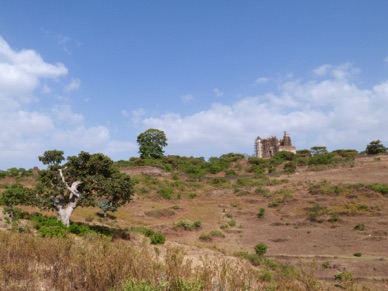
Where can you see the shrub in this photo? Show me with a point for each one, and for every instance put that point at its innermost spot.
(219, 180)
(205, 236)
(232, 223)
(263, 191)
(230, 173)
(274, 204)
(79, 229)
(166, 193)
(334, 217)
(315, 211)
(343, 277)
(261, 249)
(359, 227)
(358, 254)
(192, 195)
(187, 224)
(16, 213)
(261, 212)
(157, 238)
(290, 167)
(217, 233)
(381, 188)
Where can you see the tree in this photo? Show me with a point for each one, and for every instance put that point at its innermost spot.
(53, 157)
(84, 180)
(318, 150)
(151, 143)
(16, 194)
(105, 205)
(375, 147)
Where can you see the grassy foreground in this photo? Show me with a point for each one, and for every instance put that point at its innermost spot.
(30, 262)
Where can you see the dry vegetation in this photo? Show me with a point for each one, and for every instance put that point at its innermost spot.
(325, 226)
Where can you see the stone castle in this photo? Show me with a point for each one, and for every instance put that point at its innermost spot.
(266, 148)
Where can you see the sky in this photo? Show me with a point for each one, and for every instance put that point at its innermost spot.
(213, 75)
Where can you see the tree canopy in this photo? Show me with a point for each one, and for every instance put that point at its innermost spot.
(318, 150)
(375, 147)
(151, 143)
(52, 157)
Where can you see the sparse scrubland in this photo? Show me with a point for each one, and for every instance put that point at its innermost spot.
(292, 222)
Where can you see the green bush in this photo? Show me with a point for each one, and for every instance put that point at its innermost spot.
(261, 249)
(16, 213)
(230, 173)
(290, 167)
(274, 204)
(165, 193)
(261, 212)
(49, 226)
(315, 211)
(219, 180)
(157, 238)
(358, 254)
(79, 229)
(360, 227)
(232, 223)
(343, 277)
(381, 188)
(334, 217)
(205, 236)
(263, 191)
(187, 224)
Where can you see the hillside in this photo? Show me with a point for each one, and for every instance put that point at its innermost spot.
(312, 218)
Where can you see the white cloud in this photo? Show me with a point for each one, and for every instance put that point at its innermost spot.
(26, 133)
(124, 113)
(333, 112)
(46, 89)
(217, 92)
(73, 85)
(187, 98)
(20, 74)
(261, 80)
(63, 114)
(322, 70)
(137, 115)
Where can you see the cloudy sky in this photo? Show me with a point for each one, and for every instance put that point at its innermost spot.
(92, 75)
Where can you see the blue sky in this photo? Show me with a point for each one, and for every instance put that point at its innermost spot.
(92, 75)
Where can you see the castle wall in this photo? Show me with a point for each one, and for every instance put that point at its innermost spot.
(266, 148)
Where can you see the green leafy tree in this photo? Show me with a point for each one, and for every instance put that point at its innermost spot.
(15, 195)
(52, 157)
(151, 143)
(375, 147)
(82, 181)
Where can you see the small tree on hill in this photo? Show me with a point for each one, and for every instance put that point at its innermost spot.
(318, 150)
(375, 147)
(84, 180)
(151, 143)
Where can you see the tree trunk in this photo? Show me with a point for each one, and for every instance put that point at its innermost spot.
(64, 214)
(63, 206)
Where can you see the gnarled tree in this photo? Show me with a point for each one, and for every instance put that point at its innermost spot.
(84, 180)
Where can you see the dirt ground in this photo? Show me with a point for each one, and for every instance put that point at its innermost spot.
(289, 235)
